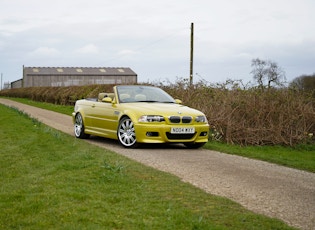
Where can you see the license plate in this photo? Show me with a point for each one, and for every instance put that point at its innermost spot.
(182, 130)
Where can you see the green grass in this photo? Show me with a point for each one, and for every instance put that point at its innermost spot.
(299, 157)
(50, 180)
(64, 109)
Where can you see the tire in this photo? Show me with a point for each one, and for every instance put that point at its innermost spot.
(126, 133)
(194, 145)
(79, 127)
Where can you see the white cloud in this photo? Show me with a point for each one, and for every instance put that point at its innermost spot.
(44, 52)
(126, 52)
(153, 37)
(88, 49)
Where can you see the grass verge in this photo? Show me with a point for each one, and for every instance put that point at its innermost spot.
(64, 109)
(299, 157)
(50, 180)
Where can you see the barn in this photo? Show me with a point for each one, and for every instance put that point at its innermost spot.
(69, 76)
(16, 84)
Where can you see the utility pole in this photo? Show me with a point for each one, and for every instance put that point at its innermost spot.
(1, 82)
(191, 53)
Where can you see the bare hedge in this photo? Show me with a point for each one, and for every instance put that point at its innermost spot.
(240, 116)
(254, 116)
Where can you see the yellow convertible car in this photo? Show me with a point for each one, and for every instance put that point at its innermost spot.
(136, 114)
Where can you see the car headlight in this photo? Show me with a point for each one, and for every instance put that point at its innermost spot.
(201, 118)
(151, 118)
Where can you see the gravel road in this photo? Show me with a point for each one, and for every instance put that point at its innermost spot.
(276, 191)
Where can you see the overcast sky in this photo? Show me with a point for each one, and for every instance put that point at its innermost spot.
(153, 37)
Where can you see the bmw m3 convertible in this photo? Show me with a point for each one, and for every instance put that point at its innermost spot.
(134, 114)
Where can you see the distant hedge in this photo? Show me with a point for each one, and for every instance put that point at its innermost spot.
(241, 116)
(57, 95)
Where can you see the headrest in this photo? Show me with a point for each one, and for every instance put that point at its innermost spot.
(140, 97)
(101, 96)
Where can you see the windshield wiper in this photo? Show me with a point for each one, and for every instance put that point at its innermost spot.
(147, 101)
(156, 101)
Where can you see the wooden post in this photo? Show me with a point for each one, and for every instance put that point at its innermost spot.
(191, 54)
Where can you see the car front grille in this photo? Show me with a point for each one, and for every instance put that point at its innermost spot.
(186, 119)
(178, 119)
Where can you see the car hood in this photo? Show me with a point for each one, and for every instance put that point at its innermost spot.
(163, 109)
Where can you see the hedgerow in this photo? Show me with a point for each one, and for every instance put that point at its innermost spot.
(237, 115)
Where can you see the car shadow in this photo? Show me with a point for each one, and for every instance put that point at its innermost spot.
(115, 143)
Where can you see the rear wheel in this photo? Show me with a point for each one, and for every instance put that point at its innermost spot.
(126, 133)
(79, 127)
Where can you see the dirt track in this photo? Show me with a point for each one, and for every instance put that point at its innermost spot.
(265, 188)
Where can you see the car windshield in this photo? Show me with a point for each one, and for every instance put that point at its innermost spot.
(139, 93)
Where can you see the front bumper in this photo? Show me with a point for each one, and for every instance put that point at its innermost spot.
(161, 133)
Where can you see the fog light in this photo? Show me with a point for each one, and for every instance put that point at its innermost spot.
(152, 134)
(203, 134)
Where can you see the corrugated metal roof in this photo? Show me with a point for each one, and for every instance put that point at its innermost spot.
(103, 71)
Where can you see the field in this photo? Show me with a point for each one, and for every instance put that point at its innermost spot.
(50, 180)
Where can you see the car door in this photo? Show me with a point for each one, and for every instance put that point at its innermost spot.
(105, 118)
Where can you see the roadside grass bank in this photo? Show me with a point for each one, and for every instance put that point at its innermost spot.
(52, 180)
(64, 109)
(299, 157)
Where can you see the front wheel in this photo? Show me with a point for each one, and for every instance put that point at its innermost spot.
(126, 133)
(79, 127)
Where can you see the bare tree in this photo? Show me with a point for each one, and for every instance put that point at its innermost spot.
(266, 73)
(275, 74)
(259, 69)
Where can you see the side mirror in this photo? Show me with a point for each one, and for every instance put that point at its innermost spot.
(177, 101)
(107, 100)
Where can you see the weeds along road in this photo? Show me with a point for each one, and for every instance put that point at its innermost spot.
(265, 188)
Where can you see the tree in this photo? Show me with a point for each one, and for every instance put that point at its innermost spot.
(258, 71)
(266, 73)
(304, 82)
